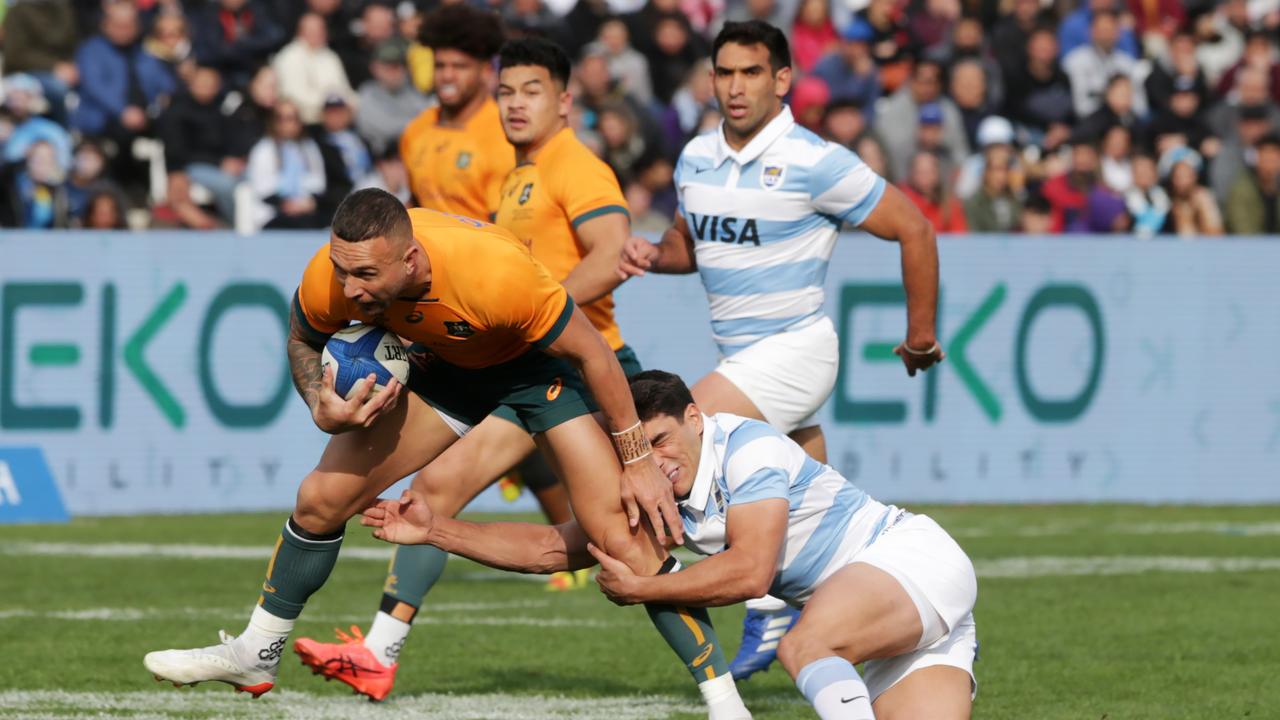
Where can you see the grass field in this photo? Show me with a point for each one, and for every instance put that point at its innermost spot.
(1083, 612)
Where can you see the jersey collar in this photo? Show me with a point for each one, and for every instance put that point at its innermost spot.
(697, 500)
(776, 128)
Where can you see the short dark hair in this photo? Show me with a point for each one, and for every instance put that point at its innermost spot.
(657, 392)
(1271, 139)
(370, 213)
(464, 28)
(755, 32)
(536, 52)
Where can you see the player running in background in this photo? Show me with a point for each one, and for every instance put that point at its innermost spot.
(761, 202)
(455, 153)
(878, 584)
(565, 204)
(502, 331)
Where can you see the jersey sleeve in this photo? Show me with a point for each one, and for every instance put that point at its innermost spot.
(587, 189)
(319, 304)
(843, 186)
(523, 297)
(756, 466)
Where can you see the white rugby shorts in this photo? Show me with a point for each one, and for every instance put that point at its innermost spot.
(787, 376)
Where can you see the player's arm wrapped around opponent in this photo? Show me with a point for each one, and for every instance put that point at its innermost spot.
(644, 487)
(743, 571)
(331, 412)
(518, 547)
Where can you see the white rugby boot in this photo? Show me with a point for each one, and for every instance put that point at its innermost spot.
(219, 663)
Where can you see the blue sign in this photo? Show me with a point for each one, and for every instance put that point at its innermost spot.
(27, 492)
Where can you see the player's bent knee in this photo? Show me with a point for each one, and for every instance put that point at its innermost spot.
(637, 549)
(317, 511)
(801, 646)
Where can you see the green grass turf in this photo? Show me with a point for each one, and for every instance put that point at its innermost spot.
(1154, 645)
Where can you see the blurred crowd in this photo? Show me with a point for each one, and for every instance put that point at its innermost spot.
(1144, 117)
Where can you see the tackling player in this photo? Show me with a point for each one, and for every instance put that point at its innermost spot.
(877, 584)
(761, 202)
(455, 153)
(502, 331)
(565, 204)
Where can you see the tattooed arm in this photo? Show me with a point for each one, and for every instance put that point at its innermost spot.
(304, 347)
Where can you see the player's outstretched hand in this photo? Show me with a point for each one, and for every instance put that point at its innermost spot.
(646, 490)
(615, 579)
(335, 414)
(919, 358)
(638, 255)
(407, 521)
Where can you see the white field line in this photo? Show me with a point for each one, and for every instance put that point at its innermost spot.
(1027, 567)
(1194, 527)
(133, 614)
(292, 704)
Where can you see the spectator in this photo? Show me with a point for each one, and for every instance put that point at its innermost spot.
(170, 43)
(309, 71)
(1253, 207)
(1155, 22)
(1250, 91)
(1116, 165)
(1105, 211)
(673, 52)
(1179, 62)
(969, 92)
(121, 87)
(623, 143)
(1220, 38)
(993, 132)
(844, 122)
(24, 98)
(103, 211)
(1076, 30)
(388, 102)
(88, 178)
(969, 44)
(930, 26)
(1091, 66)
(929, 138)
(995, 208)
(1068, 192)
(809, 99)
(849, 70)
(927, 191)
(1185, 119)
(692, 100)
(36, 196)
(40, 40)
(235, 37)
(627, 66)
(1037, 216)
(1146, 201)
(890, 42)
(286, 173)
(1258, 53)
(812, 34)
(200, 147)
(388, 174)
(1038, 96)
(1116, 110)
(1009, 38)
(898, 118)
(871, 149)
(377, 25)
(251, 117)
(1192, 212)
(335, 131)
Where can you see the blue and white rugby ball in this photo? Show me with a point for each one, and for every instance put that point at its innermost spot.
(356, 351)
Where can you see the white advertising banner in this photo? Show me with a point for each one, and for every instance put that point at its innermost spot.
(146, 373)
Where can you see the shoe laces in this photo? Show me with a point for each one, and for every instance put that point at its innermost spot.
(355, 638)
(225, 637)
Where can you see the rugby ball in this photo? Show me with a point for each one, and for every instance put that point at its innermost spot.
(356, 351)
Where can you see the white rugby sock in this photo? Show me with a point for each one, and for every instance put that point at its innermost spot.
(768, 603)
(723, 701)
(386, 637)
(262, 642)
(835, 690)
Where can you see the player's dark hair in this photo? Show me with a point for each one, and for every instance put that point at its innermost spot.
(370, 213)
(536, 52)
(755, 32)
(461, 27)
(657, 392)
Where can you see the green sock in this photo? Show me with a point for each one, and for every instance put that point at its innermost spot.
(300, 564)
(414, 569)
(689, 632)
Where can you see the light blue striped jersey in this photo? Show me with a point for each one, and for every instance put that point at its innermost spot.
(829, 518)
(764, 222)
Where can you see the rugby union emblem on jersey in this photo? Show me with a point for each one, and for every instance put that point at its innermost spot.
(464, 160)
(459, 329)
(525, 193)
(771, 176)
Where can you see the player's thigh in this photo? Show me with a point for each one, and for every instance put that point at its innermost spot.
(860, 612)
(359, 464)
(812, 441)
(472, 464)
(937, 692)
(715, 393)
(580, 452)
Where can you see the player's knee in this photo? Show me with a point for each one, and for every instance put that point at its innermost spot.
(316, 512)
(801, 646)
(637, 550)
(442, 497)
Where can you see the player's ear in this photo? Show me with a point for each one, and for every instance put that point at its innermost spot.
(693, 415)
(782, 80)
(566, 103)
